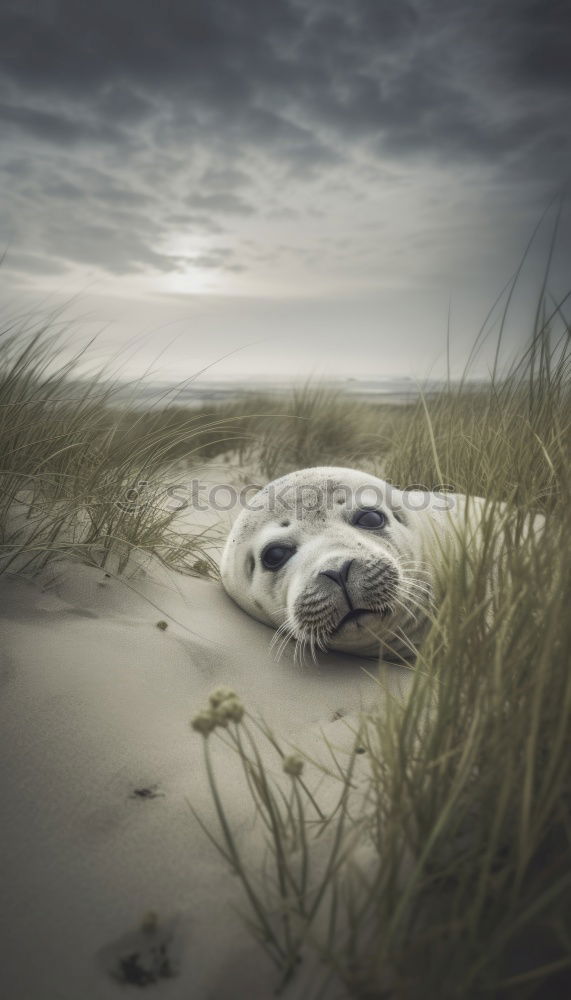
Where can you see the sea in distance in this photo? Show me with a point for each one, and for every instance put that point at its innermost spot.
(196, 392)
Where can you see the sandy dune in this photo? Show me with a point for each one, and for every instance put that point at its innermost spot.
(105, 872)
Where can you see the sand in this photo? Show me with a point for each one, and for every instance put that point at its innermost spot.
(107, 878)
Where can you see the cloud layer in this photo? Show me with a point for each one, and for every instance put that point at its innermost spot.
(258, 142)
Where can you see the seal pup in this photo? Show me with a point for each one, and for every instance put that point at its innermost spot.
(338, 559)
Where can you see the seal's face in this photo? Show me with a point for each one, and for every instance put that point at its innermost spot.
(329, 557)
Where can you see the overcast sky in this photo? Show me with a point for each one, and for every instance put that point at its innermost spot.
(305, 182)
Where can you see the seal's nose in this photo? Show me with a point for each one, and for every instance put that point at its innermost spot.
(339, 576)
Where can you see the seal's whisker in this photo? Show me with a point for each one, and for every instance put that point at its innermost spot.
(421, 566)
(296, 649)
(282, 646)
(419, 586)
(281, 638)
(419, 599)
(424, 600)
(415, 604)
(312, 647)
(407, 610)
(413, 579)
(284, 643)
(285, 627)
(417, 568)
(301, 643)
(322, 641)
(411, 572)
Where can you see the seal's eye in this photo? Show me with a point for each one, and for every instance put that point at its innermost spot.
(276, 556)
(369, 519)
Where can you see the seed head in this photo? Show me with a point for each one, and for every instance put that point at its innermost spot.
(219, 695)
(230, 710)
(204, 722)
(293, 765)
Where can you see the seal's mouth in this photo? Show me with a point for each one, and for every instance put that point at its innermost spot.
(352, 616)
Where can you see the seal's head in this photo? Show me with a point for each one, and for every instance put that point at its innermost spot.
(331, 558)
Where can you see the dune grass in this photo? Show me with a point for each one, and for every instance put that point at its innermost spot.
(82, 477)
(313, 425)
(463, 807)
(508, 440)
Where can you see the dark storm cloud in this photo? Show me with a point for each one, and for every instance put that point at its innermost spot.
(143, 87)
(50, 127)
(368, 65)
